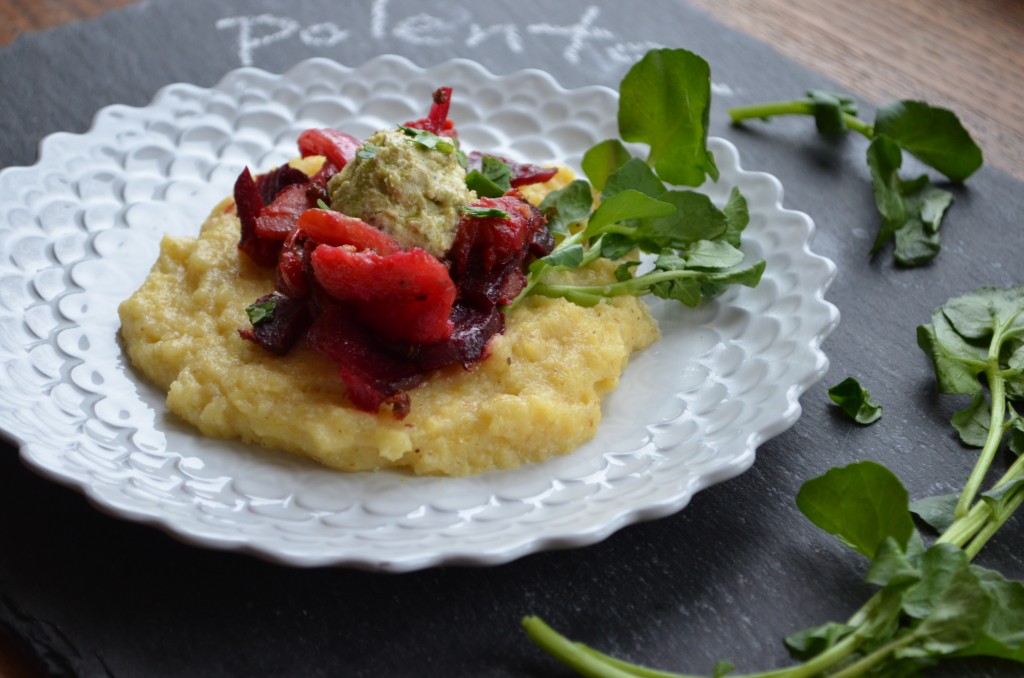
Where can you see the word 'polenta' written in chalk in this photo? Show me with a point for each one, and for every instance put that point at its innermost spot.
(432, 30)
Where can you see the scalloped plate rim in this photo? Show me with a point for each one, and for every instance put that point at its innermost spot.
(94, 492)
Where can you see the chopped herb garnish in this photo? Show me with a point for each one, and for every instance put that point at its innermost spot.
(321, 204)
(492, 180)
(429, 140)
(261, 312)
(483, 212)
(367, 152)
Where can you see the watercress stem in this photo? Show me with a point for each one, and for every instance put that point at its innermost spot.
(868, 662)
(795, 107)
(768, 110)
(997, 390)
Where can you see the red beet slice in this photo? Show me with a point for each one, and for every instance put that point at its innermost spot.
(404, 296)
(336, 146)
(274, 181)
(284, 325)
(247, 199)
(437, 121)
(277, 219)
(372, 376)
(327, 227)
(488, 253)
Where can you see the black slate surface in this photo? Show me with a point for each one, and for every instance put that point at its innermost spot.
(91, 595)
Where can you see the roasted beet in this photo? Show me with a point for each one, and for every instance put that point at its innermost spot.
(284, 320)
(277, 219)
(372, 376)
(488, 254)
(336, 146)
(472, 330)
(327, 227)
(437, 121)
(384, 315)
(247, 199)
(404, 296)
(274, 181)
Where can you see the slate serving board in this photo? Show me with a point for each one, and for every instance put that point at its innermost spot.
(725, 578)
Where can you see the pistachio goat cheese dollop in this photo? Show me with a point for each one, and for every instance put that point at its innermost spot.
(409, 191)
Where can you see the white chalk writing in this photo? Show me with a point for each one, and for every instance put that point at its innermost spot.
(322, 35)
(248, 41)
(454, 27)
(577, 33)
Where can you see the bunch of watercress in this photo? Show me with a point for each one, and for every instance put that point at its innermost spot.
(932, 602)
(692, 247)
(911, 210)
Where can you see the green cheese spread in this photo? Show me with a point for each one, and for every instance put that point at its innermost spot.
(410, 192)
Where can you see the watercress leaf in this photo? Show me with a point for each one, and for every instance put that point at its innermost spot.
(737, 217)
(998, 495)
(634, 174)
(566, 258)
(749, 276)
(972, 423)
(664, 101)
(937, 511)
(602, 160)
(854, 400)
(722, 668)
(933, 135)
(978, 314)
(1003, 632)
(939, 567)
(624, 271)
(829, 108)
(892, 566)
(685, 290)
(1016, 437)
(567, 205)
(616, 245)
(917, 241)
(813, 641)
(696, 218)
(629, 204)
(884, 161)
(950, 601)
(1014, 374)
(956, 362)
(712, 255)
(862, 504)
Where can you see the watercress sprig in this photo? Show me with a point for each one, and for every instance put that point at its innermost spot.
(691, 247)
(911, 210)
(932, 601)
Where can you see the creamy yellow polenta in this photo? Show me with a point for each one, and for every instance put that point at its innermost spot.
(537, 395)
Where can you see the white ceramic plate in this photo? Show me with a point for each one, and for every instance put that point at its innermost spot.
(80, 229)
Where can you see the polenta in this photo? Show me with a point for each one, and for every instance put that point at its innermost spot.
(536, 395)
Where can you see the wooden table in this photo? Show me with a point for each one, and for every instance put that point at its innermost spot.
(965, 56)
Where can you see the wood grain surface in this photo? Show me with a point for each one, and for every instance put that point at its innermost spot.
(966, 56)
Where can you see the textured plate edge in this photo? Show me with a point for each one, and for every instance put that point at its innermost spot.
(576, 539)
